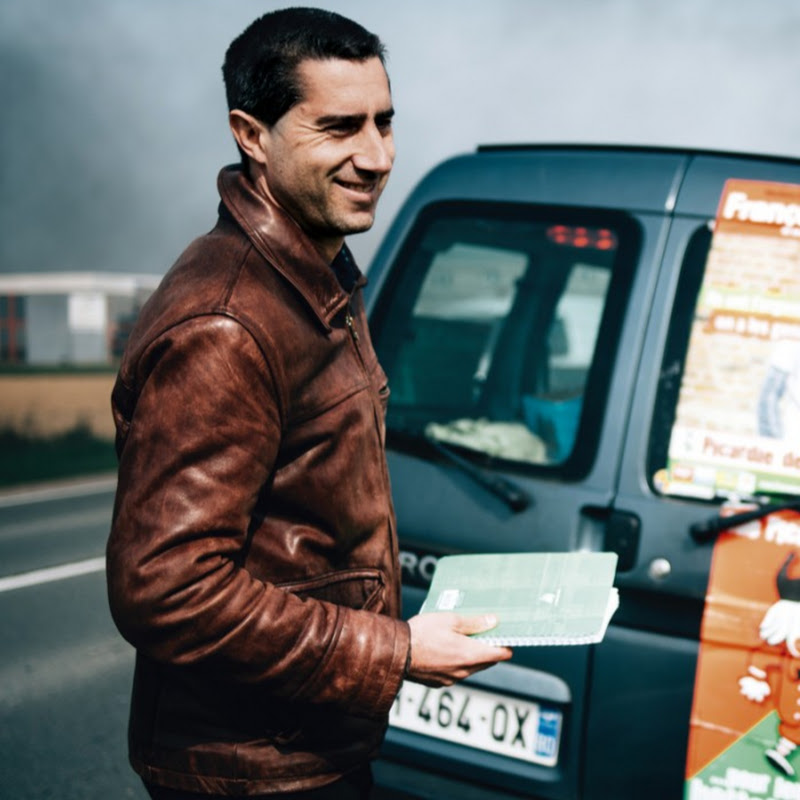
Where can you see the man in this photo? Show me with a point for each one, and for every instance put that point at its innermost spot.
(252, 560)
(779, 397)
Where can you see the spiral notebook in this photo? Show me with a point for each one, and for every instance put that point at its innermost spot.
(538, 598)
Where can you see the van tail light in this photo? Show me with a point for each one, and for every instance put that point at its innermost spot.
(589, 238)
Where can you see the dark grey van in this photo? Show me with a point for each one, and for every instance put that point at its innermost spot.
(532, 306)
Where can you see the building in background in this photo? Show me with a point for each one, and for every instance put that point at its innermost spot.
(69, 318)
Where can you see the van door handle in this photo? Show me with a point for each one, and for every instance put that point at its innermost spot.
(620, 532)
(623, 530)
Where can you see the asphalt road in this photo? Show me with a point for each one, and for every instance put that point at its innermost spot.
(65, 672)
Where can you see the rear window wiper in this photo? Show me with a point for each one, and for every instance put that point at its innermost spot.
(707, 530)
(516, 498)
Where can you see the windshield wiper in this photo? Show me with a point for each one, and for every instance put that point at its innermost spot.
(507, 491)
(707, 530)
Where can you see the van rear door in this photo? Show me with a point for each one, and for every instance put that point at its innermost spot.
(648, 659)
(508, 306)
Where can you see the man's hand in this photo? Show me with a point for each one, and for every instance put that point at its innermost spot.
(442, 652)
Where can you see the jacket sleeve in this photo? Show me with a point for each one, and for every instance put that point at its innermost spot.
(194, 454)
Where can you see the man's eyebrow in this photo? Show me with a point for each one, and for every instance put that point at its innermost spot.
(353, 119)
(339, 119)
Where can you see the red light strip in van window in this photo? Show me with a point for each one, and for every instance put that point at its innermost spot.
(590, 238)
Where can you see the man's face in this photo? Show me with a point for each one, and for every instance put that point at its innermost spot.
(329, 156)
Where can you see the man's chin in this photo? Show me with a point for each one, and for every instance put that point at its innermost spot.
(358, 224)
(342, 225)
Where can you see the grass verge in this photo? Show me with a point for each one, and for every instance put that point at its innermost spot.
(28, 458)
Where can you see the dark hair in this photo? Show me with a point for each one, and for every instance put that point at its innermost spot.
(260, 68)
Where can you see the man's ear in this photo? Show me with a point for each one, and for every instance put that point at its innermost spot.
(249, 134)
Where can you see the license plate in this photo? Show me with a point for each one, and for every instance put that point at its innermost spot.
(482, 720)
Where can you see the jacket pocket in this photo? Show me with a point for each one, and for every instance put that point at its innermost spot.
(361, 588)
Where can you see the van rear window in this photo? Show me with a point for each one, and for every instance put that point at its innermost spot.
(498, 328)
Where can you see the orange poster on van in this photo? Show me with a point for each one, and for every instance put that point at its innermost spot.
(743, 363)
(743, 360)
(745, 723)
(759, 208)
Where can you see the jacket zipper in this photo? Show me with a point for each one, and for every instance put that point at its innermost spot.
(349, 320)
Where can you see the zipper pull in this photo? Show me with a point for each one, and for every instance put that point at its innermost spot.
(351, 325)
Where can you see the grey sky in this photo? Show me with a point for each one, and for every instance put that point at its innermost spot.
(114, 124)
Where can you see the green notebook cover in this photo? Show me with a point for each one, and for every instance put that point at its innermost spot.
(538, 598)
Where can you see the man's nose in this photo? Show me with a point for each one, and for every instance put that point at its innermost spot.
(375, 151)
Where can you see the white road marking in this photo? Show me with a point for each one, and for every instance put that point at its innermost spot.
(19, 497)
(59, 525)
(50, 574)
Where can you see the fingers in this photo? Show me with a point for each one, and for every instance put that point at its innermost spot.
(442, 650)
(480, 624)
(471, 625)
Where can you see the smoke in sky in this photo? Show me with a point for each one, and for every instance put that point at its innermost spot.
(113, 113)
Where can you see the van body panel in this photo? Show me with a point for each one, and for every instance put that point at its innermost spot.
(706, 175)
(552, 176)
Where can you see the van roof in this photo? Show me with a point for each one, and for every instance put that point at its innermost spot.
(628, 148)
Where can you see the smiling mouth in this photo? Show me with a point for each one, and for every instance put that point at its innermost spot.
(361, 188)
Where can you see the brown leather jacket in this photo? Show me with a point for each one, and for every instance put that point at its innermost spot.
(252, 560)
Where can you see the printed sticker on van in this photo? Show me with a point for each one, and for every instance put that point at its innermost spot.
(737, 423)
(745, 721)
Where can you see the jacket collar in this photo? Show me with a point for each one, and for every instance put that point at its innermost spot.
(284, 244)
